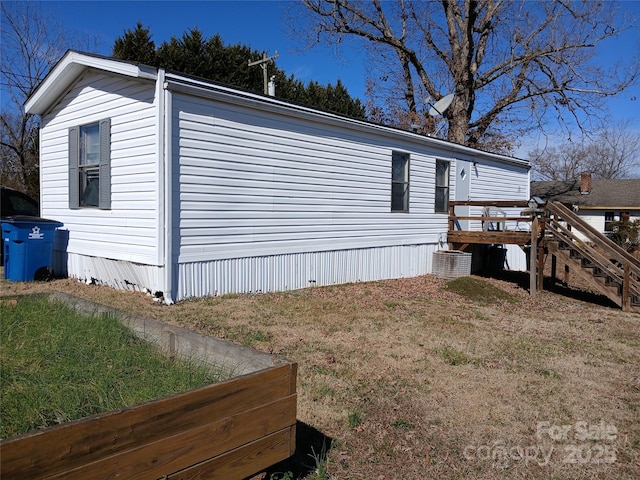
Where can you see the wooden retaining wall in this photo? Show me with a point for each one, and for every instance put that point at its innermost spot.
(229, 430)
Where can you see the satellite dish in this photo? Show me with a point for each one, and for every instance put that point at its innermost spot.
(441, 105)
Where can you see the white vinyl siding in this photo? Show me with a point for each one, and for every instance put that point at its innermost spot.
(128, 231)
(256, 183)
(497, 181)
(598, 219)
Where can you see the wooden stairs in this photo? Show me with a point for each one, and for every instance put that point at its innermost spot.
(599, 262)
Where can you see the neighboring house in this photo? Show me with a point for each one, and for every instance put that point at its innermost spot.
(600, 202)
(181, 187)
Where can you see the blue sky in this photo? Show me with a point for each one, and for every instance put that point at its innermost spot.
(260, 25)
(257, 24)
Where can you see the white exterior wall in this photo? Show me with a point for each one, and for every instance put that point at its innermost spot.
(271, 202)
(496, 181)
(595, 218)
(129, 230)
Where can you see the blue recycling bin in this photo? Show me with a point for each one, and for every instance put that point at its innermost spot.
(28, 247)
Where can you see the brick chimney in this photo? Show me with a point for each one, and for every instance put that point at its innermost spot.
(585, 183)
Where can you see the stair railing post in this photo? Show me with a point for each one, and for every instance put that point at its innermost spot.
(452, 216)
(626, 300)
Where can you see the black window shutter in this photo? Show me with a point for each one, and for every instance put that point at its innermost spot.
(105, 164)
(74, 180)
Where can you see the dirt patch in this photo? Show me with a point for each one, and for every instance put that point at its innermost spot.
(412, 380)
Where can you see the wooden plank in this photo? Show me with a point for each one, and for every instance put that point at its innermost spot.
(243, 462)
(487, 238)
(293, 386)
(163, 457)
(73, 444)
(292, 439)
(493, 219)
(490, 203)
(452, 214)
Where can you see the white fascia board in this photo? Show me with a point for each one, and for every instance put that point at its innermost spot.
(69, 68)
(209, 90)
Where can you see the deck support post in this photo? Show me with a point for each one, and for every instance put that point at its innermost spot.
(533, 260)
(541, 256)
(541, 261)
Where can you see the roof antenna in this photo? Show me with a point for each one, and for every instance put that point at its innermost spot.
(263, 63)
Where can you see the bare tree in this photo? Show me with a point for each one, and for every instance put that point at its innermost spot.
(508, 62)
(31, 46)
(613, 152)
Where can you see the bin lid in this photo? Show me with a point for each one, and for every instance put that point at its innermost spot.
(28, 219)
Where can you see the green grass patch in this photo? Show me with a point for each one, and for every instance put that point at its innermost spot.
(402, 424)
(453, 357)
(57, 365)
(479, 291)
(354, 419)
(247, 336)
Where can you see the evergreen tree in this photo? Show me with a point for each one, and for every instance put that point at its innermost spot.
(136, 45)
(193, 54)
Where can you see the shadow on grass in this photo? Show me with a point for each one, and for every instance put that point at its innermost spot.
(558, 287)
(312, 446)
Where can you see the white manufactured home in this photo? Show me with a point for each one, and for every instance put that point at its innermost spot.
(182, 187)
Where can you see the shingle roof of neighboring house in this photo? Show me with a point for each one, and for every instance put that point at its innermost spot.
(606, 193)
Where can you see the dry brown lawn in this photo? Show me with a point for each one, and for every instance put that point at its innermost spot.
(408, 379)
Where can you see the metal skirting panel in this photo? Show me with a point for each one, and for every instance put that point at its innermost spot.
(294, 271)
(114, 273)
(263, 274)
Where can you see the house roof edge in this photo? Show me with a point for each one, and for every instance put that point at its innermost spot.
(70, 67)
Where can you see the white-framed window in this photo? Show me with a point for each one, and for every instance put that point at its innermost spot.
(442, 186)
(399, 182)
(90, 165)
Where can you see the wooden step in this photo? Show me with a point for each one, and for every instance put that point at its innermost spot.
(609, 269)
(611, 293)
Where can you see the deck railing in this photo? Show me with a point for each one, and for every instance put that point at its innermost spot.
(491, 225)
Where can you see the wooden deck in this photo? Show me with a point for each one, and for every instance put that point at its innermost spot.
(551, 231)
(490, 230)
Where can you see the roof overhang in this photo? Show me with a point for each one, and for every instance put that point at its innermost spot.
(69, 68)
